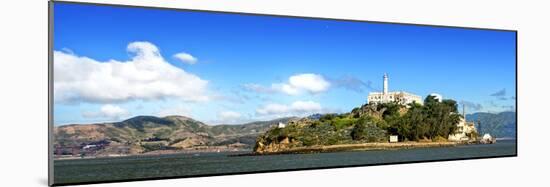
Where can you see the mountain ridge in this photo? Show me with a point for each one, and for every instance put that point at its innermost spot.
(501, 125)
(142, 134)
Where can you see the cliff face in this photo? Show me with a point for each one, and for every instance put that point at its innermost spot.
(277, 146)
(147, 133)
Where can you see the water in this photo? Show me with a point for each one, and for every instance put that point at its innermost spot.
(185, 165)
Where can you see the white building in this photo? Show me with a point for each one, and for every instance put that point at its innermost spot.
(465, 131)
(400, 97)
(281, 125)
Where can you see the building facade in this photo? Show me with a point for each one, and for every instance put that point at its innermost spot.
(400, 97)
(465, 131)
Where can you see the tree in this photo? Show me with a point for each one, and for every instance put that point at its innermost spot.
(327, 117)
(366, 129)
(441, 117)
(414, 119)
(433, 119)
(389, 110)
(358, 132)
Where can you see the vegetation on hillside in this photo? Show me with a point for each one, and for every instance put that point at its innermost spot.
(432, 120)
(143, 134)
(368, 123)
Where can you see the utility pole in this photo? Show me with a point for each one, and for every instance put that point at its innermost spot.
(479, 125)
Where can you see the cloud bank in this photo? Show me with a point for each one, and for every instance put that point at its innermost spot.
(472, 106)
(352, 83)
(147, 76)
(111, 112)
(296, 85)
(499, 93)
(297, 108)
(229, 117)
(178, 110)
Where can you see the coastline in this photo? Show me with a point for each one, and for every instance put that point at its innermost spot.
(301, 150)
(297, 150)
(356, 147)
(153, 153)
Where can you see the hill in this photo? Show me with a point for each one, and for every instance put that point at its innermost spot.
(149, 134)
(500, 125)
(369, 123)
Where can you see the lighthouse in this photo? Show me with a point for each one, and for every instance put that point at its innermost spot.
(385, 83)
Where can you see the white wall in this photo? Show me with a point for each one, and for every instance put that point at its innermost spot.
(23, 99)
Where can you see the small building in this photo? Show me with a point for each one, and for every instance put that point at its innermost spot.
(281, 125)
(393, 138)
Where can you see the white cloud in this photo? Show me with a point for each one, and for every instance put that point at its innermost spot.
(174, 111)
(273, 108)
(186, 58)
(229, 116)
(305, 106)
(297, 84)
(312, 83)
(297, 108)
(258, 88)
(108, 111)
(147, 76)
(286, 88)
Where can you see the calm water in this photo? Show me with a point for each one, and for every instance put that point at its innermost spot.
(140, 167)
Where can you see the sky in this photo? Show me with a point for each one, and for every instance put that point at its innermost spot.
(114, 63)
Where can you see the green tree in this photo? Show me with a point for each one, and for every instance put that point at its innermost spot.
(358, 132)
(389, 110)
(416, 118)
(441, 117)
(366, 129)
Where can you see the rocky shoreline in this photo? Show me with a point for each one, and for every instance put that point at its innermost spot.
(354, 147)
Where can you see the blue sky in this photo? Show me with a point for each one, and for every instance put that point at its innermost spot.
(112, 63)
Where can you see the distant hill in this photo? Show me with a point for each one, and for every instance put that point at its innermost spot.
(500, 125)
(143, 134)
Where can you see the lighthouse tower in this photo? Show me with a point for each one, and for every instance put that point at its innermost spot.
(385, 83)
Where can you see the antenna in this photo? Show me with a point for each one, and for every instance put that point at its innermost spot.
(464, 112)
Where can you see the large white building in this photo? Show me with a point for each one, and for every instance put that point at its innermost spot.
(400, 97)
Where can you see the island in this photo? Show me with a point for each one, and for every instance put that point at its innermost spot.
(390, 120)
